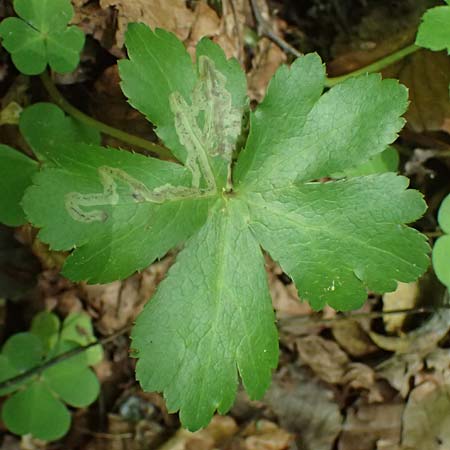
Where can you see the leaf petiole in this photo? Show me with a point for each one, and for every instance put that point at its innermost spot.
(56, 96)
(377, 66)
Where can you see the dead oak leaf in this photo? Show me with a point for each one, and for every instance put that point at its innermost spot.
(173, 16)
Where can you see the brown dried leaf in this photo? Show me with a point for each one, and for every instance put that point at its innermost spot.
(372, 426)
(267, 60)
(404, 297)
(324, 357)
(426, 420)
(350, 335)
(427, 75)
(265, 435)
(173, 16)
(219, 430)
(422, 340)
(306, 407)
(117, 304)
(399, 369)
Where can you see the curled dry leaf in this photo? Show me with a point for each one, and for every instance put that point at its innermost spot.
(173, 16)
(426, 420)
(267, 60)
(265, 435)
(117, 304)
(422, 340)
(372, 426)
(351, 336)
(399, 369)
(324, 357)
(220, 429)
(305, 406)
(427, 75)
(404, 297)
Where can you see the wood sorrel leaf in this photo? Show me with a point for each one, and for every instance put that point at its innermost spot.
(41, 36)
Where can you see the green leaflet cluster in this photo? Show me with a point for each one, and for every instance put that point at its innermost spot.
(211, 320)
(40, 36)
(36, 405)
(441, 248)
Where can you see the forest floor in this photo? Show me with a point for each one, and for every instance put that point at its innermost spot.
(370, 379)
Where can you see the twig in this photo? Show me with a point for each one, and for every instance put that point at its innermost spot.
(265, 29)
(377, 66)
(62, 357)
(123, 136)
(369, 315)
(236, 27)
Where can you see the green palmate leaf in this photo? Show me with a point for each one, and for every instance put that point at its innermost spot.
(28, 412)
(441, 249)
(220, 322)
(211, 319)
(41, 36)
(434, 31)
(16, 171)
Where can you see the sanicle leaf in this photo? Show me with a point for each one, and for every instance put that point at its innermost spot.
(41, 36)
(211, 320)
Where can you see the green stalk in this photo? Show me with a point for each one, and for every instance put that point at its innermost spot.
(123, 136)
(377, 66)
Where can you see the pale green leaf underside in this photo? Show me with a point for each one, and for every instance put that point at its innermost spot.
(434, 31)
(220, 322)
(42, 37)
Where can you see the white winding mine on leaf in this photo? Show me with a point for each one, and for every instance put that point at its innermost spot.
(209, 126)
(76, 202)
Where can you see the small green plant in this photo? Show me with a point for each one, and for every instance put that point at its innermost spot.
(441, 248)
(434, 34)
(292, 187)
(434, 31)
(41, 36)
(36, 404)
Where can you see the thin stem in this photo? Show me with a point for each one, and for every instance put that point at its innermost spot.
(305, 318)
(62, 357)
(266, 30)
(123, 136)
(377, 66)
